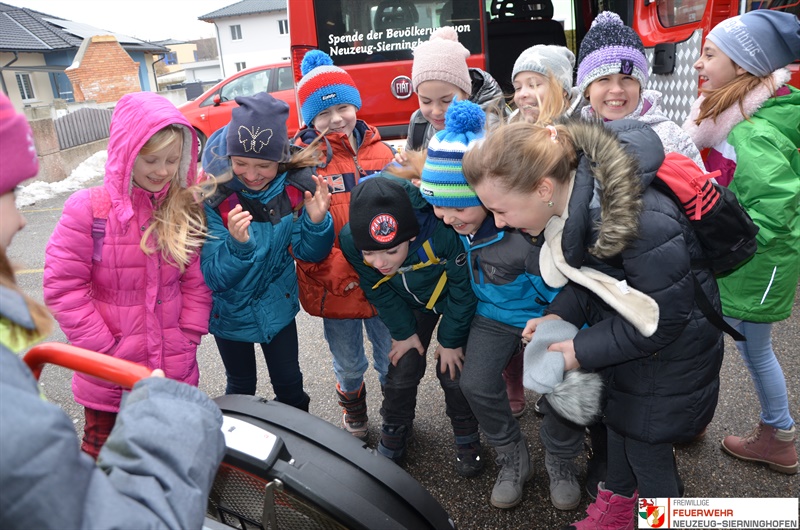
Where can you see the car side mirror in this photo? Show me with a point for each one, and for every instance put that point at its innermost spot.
(217, 100)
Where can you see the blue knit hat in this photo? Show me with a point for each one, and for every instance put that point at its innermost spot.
(443, 182)
(324, 85)
(258, 128)
(760, 41)
(610, 47)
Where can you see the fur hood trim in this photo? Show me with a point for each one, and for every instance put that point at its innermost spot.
(617, 185)
(711, 133)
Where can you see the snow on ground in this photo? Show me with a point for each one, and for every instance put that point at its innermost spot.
(89, 172)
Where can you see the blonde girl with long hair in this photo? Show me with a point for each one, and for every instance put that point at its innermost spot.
(122, 273)
(542, 80)
(748, 116)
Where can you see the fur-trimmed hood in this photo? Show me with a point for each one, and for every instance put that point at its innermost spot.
(712, 132)
(617, 161)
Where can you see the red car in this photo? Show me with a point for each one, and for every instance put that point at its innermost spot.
(212, 110)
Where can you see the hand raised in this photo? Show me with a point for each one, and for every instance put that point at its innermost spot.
(317, 205)
(238, 224)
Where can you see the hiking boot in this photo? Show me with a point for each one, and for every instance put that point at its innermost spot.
(513, 377)
(394, 441)
(468, 459)
(609, 512)
(354, 411)
(768, 445)
(515, 470)
(565, 493)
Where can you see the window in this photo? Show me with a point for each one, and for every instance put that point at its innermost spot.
(241, 66)
(25, 87)
(283, 26)
(236, 32)
(285, 79)
(674, 12)
(388, 30)
(171, 58)
(247, 85)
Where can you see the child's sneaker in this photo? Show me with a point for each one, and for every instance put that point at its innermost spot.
(394, 441)
(468, 459)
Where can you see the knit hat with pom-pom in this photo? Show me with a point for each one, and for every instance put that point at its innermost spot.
(442, 58)
(324, 85)
(443, 182)
(610, 47)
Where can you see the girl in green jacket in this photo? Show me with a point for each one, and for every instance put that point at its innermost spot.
(750, 119)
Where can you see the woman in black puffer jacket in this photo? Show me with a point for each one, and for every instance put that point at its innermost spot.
(627, 250)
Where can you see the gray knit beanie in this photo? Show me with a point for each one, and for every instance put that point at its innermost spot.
(442, 58)
(545, 59)
(760, 41)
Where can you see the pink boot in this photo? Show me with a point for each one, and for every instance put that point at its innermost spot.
(608, 512)
(513, 377)
(768, 445)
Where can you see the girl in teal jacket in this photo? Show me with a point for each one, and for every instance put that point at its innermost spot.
(750, 119)
(253, 220)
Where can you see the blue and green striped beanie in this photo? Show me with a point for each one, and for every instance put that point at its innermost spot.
(443, 182)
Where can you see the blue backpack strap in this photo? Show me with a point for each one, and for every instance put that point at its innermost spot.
(101, 205)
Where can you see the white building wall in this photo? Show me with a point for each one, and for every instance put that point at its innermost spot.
(40, 81)
(261, 41)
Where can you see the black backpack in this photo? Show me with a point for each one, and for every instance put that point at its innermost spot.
(723, 228)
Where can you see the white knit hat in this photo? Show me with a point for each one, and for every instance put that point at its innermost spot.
(546, 59)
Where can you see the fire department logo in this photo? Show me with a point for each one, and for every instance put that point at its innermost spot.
(383, 228)
(401, 87)
(654, 515)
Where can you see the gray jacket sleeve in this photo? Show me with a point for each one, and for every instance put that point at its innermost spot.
(155, 471)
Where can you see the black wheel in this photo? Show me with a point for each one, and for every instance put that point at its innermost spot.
(201, 144)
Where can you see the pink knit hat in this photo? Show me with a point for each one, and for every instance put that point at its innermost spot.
(17, 154)
(442, 58)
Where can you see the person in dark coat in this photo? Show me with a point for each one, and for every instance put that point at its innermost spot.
(625, 253)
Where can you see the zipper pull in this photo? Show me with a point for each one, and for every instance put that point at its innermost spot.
(358, 166)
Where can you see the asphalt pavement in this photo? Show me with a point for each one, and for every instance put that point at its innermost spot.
(705, 469)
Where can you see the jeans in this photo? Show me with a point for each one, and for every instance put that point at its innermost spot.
(768, 378)
(560, 437)
(649, 467)
(491, 345)
(346, 340)
(400, 392)
(283, 366)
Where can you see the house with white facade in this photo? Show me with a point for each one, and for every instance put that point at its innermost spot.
(251, 33)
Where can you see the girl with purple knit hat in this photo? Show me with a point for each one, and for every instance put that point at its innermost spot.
(612, 76)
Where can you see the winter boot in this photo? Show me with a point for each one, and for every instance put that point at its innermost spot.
(609, 512)
(513, 377)
(768, 445)
(565, 493)
(515, 470)
(394, 441)
(354, 411)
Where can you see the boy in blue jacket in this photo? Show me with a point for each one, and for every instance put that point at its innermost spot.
(411, 267)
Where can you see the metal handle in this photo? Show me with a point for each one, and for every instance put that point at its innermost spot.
(118, 371)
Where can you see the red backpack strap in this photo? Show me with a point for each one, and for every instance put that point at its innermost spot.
(296, 197)
(225, 207)
(101, 205)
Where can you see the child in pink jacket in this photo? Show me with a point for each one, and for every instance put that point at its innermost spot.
(122, 274)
